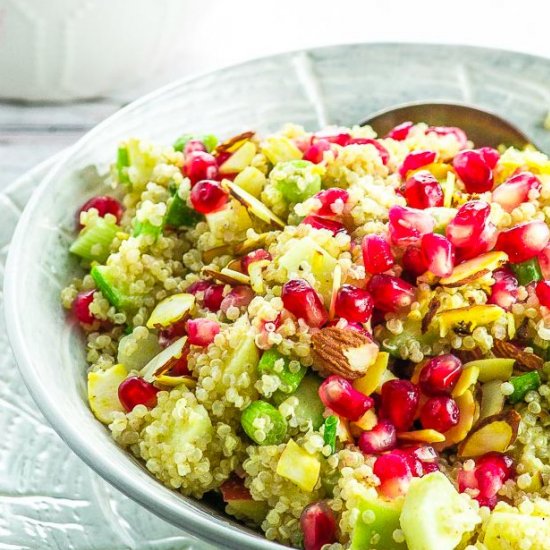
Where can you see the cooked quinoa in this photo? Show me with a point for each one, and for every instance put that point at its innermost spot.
(346, 336)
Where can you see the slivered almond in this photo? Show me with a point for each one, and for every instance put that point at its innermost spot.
(252, 243)
(233, 142)
(227, 276)
(209, 255)
(495, 433)
(474, 269)
(433, 306)
(347, 353)
(421, 436)
(468, 355)
(524, 361)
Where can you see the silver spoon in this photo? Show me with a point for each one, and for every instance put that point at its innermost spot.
(482, 127)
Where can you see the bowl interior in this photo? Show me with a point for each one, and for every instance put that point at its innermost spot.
(336, 85)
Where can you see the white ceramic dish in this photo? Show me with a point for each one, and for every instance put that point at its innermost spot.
(331, 85)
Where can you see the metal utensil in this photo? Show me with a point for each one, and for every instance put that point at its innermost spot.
(482, 127)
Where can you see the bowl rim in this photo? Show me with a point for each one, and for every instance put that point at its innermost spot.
(195, 524)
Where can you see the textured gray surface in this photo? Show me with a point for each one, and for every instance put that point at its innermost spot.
(333, 85)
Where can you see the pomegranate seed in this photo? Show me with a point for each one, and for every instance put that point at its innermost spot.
(429, 467)
(415, 465)
(407, 225)
(340, 396)
(81, 307)
(543, 293)
(104, 205)
(438, 254)
(317, 222)
(340, 138)
(333, 201)
(201, 332)
(193, 145)
(416, 160)
(198, 286)
(473, 170)
(390, 293)
(440, 375)
(234, 489)
(239, 296)
(208, 196)
(442, 131)
(318, 525)
(399, 403)
(213, 297)
(377, 255)
(484, 243)
(394, 474)
(470, 221)
(180, 367)
(200, 166)
(136, 391)
(315, 153)
(401, 131)
(413, 261)
(422, 190)
(354, 304)
(424, 453)
(303, 302)
(504, 292)
(516, 190)
(544, 262)
(383, 437)
(439, 413)
(255, 256)
(357, 327)
(524, 241)
(490, 155)
(382, 151)
(173, 332)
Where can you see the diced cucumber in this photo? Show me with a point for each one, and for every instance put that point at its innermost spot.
(273, 362)
(94, 241)
(122, 163)
(297, 180)
(252, 181)
(147, 228)
(112, 291)
(103, 392)
(209, 140)
(240, 159)
(527, 272)
(178, 214)
(513, 531)
(280, 148)
(275, 428)
(392, 343)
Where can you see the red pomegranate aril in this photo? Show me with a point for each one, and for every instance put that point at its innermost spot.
(318, 222)
(239, 296)
(416, 160)
(543, 293)
(81, 307)
(382, 151)
(390, 293)
(377, 255)
(340, 138)
(440, 375)
(213, 297)
(399, 403)
(407, 225)
(457, 133)
(415, 465)
(422, 190)
(490, 155)
(544, 262)
(424, 453)
(401, 131)
(316, 153)
(194, 145)
(354, 304)
(181, 366)
(516, 190)
(439, 413)
(198, 287)
(438, 254)
(318, 525)
(201, 332)
(524, 241)
(173, 332)
(394, 473)
(484, 242)
(470, 221)
(340, 396)
(208, 196)
(136, 391)
(504, 292)
(333, 201)
(300, 298)
(429, 467)
(413, 261)
(473, 170)
(383, 437)
(104, 205)
(254, 256)
(200, 165)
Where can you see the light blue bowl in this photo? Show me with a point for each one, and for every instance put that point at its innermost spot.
(336, 85)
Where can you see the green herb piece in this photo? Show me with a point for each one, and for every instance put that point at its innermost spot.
(209, 140)
(178, 214)
(527, 272)
(523, 384)
(273, 362)
(122, 163)
(331, 427)
(263, 423)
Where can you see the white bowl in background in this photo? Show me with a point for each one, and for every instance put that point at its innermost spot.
(57, 50)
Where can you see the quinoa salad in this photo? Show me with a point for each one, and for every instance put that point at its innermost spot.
(343, 339)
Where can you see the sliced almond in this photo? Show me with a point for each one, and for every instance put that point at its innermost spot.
(524, 361)
(233, 143)
(255, 272)
(468, 355)
(227, 276)
(365, 423)
(171, 310)
(167, 381)
(164, 361)
(433, 306)
(240, 159)
(252, 243)
(343, 431)
(372, 379)
(495, 433)
(344, 352)
(421, 436)
(467, 407)
(493, 369)
(492, 399)
(466, 319)
(473, 269)
(208, 256)
(336, 283)
(467, 379)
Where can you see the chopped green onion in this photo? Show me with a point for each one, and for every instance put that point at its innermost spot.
(95, 240)
(273, 362)
(147, 228)
(122, 163)
(523, 384)
(263, 423)
(178, 214)
(527, 272)
(128, 330)
(331, 427)
(209, 140)
(107, 284)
